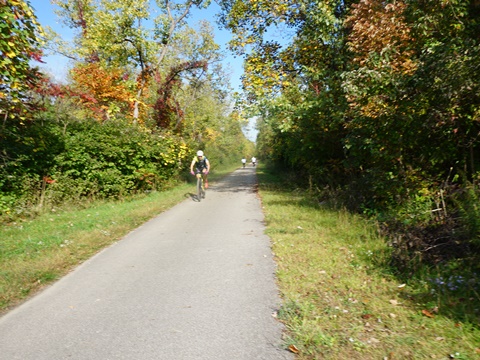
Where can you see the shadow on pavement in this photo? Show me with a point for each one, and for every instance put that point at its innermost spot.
(191, 196)
(241, 180)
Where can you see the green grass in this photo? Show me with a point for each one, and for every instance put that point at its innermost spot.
(35, 252)
(341, 300)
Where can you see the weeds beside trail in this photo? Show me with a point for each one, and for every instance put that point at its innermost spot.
(340, 299)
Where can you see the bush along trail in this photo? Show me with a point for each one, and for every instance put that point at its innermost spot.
(343, 300)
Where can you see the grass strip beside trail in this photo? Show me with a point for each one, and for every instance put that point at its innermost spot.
(339, 301)
(34, 253)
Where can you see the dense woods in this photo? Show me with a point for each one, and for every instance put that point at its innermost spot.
(145, 90)
(375, 105)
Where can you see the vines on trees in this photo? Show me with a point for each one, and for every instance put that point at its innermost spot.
(168, 113)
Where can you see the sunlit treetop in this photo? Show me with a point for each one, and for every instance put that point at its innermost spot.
(20, 41)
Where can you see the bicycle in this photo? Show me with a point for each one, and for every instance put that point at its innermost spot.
(200, 187)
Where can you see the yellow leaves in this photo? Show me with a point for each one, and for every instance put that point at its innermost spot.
(212, 134)
(15, 85)
(381, 41)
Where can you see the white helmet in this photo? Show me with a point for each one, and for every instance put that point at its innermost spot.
(199, 153)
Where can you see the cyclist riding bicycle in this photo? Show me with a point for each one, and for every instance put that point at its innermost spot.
(200, 165)
(254, 161)
(244, 162)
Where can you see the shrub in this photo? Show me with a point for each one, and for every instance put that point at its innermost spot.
(48, 164)
(117, 159)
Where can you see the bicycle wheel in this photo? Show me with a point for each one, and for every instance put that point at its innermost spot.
(199, 188)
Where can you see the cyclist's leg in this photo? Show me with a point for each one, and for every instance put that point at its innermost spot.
(205, 178)
(198, 175)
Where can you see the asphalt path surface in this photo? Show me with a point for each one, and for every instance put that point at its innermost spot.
(196, 282)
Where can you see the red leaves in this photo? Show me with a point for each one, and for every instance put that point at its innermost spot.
(48, 180)
(166, 107)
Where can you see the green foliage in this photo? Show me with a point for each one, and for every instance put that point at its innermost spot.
(468, 205)
(27, 151)
(116, 159)
(120, 66)
(374, 99)
(44, 164)
(20, 36)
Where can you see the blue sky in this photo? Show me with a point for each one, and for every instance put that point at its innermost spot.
(57, 65)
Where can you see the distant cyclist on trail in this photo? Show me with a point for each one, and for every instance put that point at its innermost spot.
(200, 165)
(254, 161)
(244, 161)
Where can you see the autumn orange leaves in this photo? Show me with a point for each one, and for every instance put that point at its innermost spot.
(381, 29)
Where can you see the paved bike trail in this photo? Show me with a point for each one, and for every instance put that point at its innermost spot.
(196, 282)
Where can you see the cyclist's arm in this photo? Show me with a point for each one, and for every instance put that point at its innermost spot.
(192, 164)
(208, 165)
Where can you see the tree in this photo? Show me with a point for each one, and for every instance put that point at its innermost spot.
(413, 106)
(295, 83)
(102, 90)
(192, 64)
(383, 94)
(124, 34)
(20, 41)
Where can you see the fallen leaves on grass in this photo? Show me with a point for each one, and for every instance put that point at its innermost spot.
(293, 349)
(428, 314)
